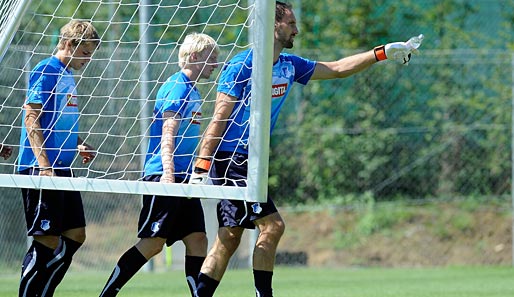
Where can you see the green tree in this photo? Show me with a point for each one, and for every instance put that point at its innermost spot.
(437, 128)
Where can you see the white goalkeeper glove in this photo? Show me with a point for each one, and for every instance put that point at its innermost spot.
(200, 175)
(399, 51)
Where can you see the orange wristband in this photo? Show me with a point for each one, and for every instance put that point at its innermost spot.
(203, 164)
(380, 53)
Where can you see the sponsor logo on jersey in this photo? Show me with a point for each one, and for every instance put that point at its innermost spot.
(196, 116)
(45, 225)
(278, 90)
(71, 100)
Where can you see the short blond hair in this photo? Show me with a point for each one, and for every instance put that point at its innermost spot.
(78, 31)
(195, 43)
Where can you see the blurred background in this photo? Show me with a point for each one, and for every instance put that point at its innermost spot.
(395, 166)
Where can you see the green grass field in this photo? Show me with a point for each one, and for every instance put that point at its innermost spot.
(306, 282)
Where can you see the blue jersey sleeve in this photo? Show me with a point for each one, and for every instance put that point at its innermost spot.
(304, 68)
(41, 84)
(173, 99)
(235, 76)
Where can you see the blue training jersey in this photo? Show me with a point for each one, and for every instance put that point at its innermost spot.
(235, 81)
(52, 85)
(178, 94)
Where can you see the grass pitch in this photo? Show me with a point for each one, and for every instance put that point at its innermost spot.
(305, 282)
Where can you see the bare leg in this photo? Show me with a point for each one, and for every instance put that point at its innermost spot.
(50, 241)
(226, 243)
(77, 234)
(271, 229)
(150, 246)
(196, 244)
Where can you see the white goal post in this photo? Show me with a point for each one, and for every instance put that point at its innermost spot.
(116, 88)
(11, 13)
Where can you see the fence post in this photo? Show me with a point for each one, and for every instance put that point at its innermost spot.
(512, 154)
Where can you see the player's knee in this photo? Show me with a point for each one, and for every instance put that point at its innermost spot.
(272, 229)
(49, 241)
(279, 228)
(81, 237)
(196, 244)
(150, 249)
(154, 250)
(229, 241)
(78, 234)
(150, 246)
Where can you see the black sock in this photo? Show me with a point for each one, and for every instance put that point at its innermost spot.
(192, 269)
(262, 281)
(33, 269)
(59, 264)
(206, 286)
(125, 269)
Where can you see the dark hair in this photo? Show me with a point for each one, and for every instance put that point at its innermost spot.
(280, 10)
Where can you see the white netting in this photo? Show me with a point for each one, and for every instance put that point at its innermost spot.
(116, 90)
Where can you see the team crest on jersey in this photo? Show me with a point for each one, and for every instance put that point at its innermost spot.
(45, 225)
(278, 90)
(256, 207)
(156, 226)
(286, 72)
(71, 100)
(196, 116)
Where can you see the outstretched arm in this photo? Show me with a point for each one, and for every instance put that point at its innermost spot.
(397, 51)
(344, 67)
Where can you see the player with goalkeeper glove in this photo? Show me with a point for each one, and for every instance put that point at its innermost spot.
(224, 149)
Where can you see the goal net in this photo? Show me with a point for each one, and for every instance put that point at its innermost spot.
(116, 90)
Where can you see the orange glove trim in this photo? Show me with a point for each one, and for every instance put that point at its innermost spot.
(203, 164)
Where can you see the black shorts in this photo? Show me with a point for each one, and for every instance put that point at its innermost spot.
(51, 212)
(172, 218)
(231, 170)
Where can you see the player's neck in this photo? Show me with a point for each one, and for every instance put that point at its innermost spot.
(61, 56)
(190, 74)
(276, 54)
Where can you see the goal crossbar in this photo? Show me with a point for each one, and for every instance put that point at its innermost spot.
(122, 186)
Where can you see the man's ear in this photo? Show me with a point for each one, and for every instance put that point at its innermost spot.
(193, 57)
(68, 46)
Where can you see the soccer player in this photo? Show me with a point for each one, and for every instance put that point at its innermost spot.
(227, 137)
(174, 137)
(5, 151)
(49, 143)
